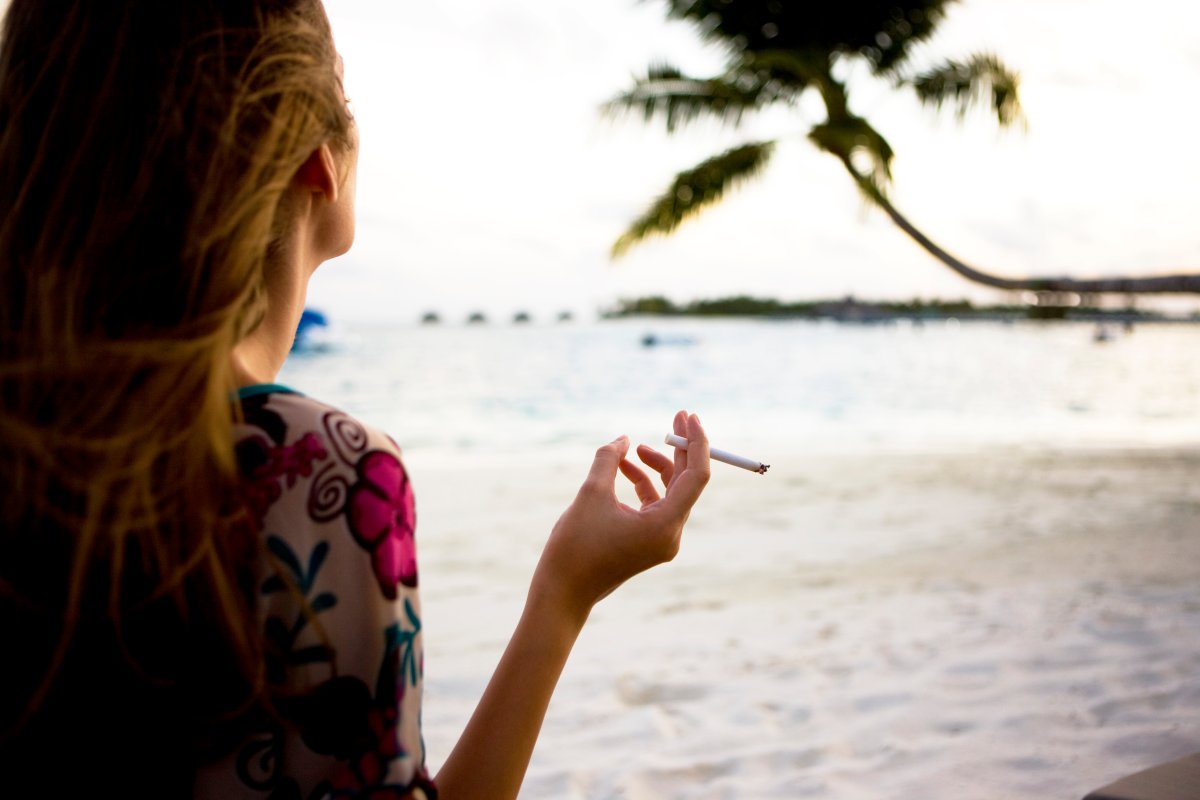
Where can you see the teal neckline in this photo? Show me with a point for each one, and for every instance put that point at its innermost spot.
(246, 392)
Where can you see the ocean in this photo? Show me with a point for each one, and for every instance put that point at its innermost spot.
(544, 391)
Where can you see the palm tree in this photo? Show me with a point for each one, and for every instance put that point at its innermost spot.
(776, 50)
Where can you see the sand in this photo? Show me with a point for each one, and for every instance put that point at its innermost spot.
(1012, 624)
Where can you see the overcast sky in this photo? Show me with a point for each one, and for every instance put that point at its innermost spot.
(489, 180)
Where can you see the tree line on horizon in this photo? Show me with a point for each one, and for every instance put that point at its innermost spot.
(849, 308)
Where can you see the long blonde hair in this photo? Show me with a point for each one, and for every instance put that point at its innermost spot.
(145, 149)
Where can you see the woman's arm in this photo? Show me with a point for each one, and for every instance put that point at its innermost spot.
(596, 545)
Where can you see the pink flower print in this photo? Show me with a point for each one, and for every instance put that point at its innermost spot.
(259, 494)
(264, 464)
(365, 774)
(297, 460)
(381, 514)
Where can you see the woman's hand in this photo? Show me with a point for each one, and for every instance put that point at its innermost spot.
(596, 545)
(599, 542)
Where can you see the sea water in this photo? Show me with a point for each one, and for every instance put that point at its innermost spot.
(760, 386)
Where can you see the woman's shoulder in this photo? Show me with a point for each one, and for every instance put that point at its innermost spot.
(307, 465)
(285, 416)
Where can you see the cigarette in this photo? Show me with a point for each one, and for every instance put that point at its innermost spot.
(722, 456)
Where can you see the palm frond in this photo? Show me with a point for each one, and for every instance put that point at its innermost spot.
(852, 139)
(694, 190)
(884, 32)
(979, 80)
(795, 69)
(899, 32)
(665, 91)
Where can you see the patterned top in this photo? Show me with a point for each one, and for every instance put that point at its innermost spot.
(337, 599)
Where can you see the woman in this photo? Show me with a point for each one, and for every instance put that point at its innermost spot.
(200, 596)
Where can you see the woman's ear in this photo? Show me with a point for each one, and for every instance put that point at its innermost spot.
(318, 174)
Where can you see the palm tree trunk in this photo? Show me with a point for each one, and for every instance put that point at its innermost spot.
(1151, 284)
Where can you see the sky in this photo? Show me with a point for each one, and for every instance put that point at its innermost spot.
(489, 180)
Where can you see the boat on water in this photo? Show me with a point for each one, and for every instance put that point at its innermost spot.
(658, 340)
(309, 337)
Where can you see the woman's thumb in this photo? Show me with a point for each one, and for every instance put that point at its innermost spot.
(607, 460)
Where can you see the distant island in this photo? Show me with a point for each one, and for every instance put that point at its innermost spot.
(849, 309)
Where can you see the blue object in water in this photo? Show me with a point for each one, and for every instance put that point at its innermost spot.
(310, 318)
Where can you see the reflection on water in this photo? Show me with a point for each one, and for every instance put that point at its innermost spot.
(762, 386)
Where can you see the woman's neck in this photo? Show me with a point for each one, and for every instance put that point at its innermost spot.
(259, 357)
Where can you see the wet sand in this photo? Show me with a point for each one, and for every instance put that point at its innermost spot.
(1012, 624)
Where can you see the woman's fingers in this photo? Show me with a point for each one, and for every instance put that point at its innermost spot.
(608, 458)
(641, 481)
(690, 482)
(684, 477)
(680, 428)
(657, 462)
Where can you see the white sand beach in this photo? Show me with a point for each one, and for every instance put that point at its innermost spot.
(1010, 623)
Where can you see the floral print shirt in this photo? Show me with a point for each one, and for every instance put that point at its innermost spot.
(337, 600)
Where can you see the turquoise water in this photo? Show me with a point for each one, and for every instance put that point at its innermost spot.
(761, 386)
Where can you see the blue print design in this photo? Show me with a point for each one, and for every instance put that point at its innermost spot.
(280, 636)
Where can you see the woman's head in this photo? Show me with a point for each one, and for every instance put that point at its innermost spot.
(146, 153)
(145, 148)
